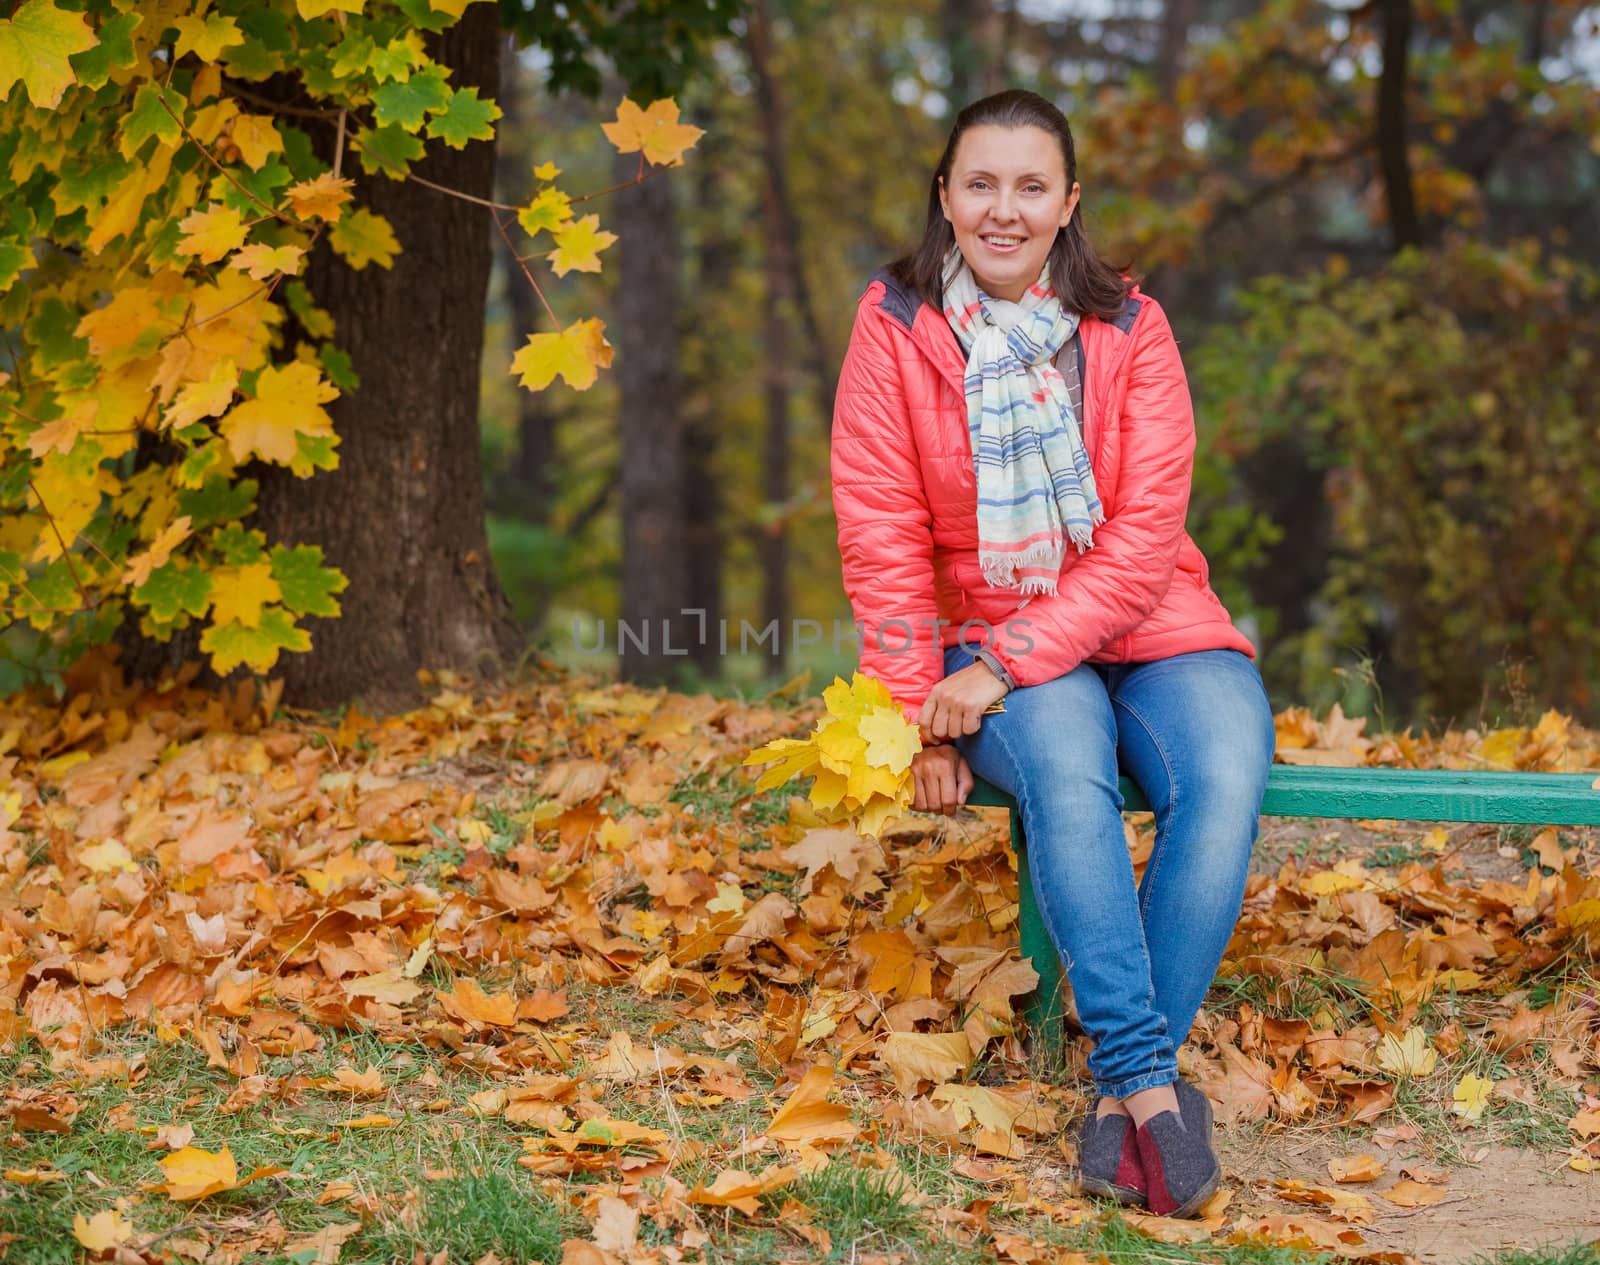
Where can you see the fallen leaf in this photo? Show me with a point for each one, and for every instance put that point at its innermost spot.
(103, 1231)
(1356, 1168)
(1408, 1054)
(807, 1116)
(1471, 1098)
(1410, 1194)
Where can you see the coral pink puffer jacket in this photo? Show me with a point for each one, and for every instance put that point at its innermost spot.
(905, 495)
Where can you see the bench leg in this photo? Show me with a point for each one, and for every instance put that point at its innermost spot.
(1044, 1005)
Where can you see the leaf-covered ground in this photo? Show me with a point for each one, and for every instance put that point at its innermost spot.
(534, 975)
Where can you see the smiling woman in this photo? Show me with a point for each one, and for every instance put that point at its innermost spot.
(1006, 212)
(1012, 452)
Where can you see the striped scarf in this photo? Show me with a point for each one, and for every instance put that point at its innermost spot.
(1035, 487)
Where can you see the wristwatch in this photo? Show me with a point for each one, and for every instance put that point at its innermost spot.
(990, 661)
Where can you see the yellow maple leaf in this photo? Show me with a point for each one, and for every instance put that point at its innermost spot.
(1408, 1054)
(891, 739)
(106, 856)
(546, 171)
(547, 212)
(256, 138)
(1471, 1097)
(316, 8)
(578, 246)
(288, 402)
(239, 593)
(576, 354)
(363, 238)
(35, 43)
(655, 131)
(839, 744)
(454, 8)
(261, 261)
(140, 567)
(210, 234)
(208, 397)
(322, 198)
(103, 1231)
(858, 698)
(193, 1173)
(205, 37)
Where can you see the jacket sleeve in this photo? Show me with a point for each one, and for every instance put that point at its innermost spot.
(1110, 590)
(885, 525)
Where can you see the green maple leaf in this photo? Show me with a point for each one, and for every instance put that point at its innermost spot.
(174, 588)
(549, 211)
(466, 118)
(395, 60)
(313, 453)
(307, 585)
(14, 257)
(49, 593)
(148, 118)
(34, 47)
(352, 55)
(388, 150)
(238, 547)
(233, 644)
(115, 51)
(409, 102)
(217, 500)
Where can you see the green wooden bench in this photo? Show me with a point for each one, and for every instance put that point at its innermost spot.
(1534, 799)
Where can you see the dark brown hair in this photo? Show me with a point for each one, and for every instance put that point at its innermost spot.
(1083, 281)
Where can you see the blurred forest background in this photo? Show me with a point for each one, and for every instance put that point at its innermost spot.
(1374, 227)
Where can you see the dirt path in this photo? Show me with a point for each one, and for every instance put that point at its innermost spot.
(1511, 1198)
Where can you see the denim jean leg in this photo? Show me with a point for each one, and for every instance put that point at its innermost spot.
(1196, 733)
(1054, 750)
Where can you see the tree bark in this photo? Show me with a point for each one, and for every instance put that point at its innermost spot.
(403, 515)
(716, 256)
(654, 634)
(1405, 227)
(773, 544)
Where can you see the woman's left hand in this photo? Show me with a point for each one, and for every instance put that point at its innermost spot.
(956, 705)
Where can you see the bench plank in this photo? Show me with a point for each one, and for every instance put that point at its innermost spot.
(1295, 790)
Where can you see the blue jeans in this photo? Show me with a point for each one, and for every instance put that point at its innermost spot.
(1195, 732)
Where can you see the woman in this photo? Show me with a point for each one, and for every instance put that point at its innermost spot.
(1012, 451)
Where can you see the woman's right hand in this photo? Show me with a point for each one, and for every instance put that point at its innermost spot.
(943, 779)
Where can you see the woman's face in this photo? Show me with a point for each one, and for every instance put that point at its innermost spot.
(1007, 197)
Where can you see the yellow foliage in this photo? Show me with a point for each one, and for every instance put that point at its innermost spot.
(858, 755)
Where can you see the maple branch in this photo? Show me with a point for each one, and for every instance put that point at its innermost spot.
(11, 408)
(500, 225)
(88, 603)
(397, 174)
(277, 107)
(626, 184)
(338, 145)
(226, 174)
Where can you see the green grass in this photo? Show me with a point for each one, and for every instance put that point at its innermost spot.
(1570, 1254)
(721, 797)
(495, 1210)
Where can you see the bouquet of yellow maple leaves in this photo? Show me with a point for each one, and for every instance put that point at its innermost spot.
(858, 755)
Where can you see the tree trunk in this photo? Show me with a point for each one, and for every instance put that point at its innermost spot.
(1404, 226)
(716, 256)
(773, 546)
(654, 633)
(402, 516)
